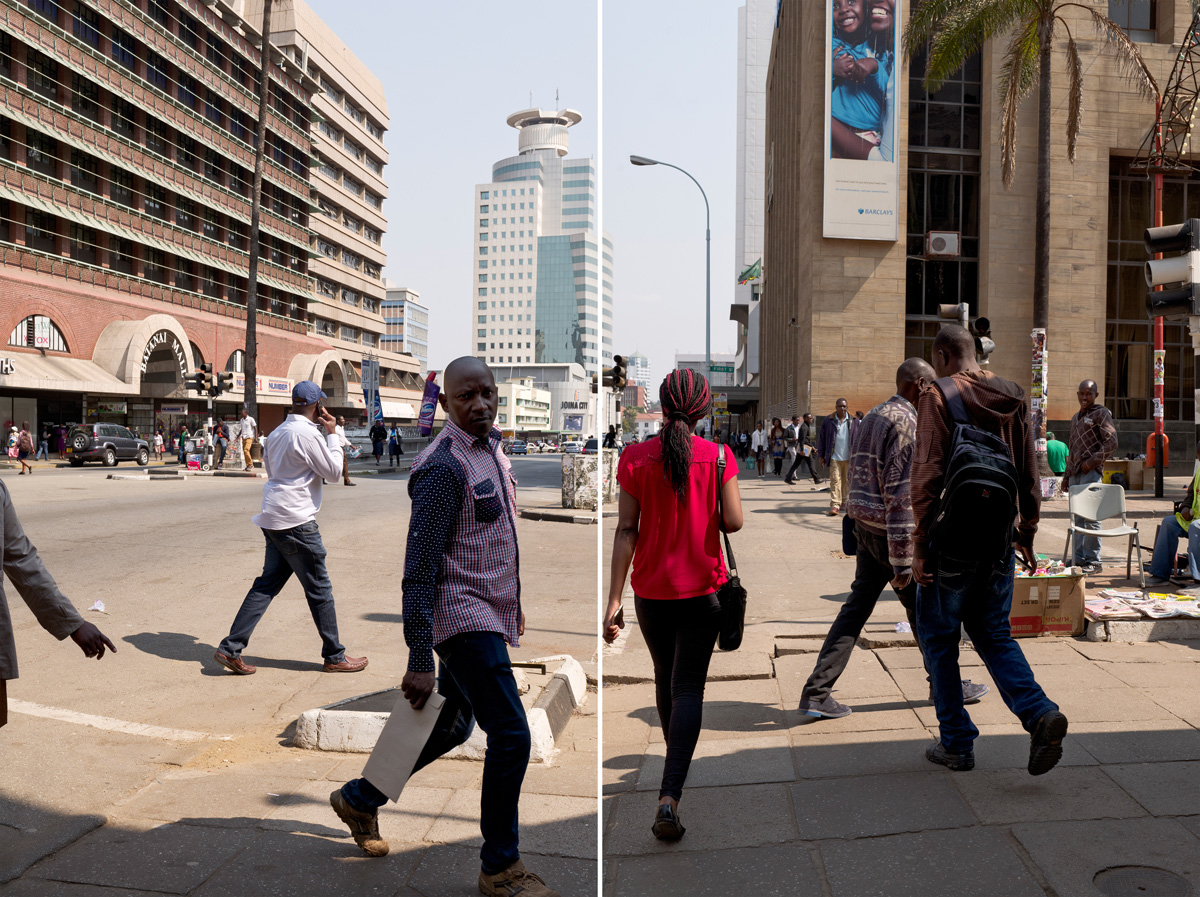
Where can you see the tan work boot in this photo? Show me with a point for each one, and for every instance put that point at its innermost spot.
(363, 826)
(513, 881)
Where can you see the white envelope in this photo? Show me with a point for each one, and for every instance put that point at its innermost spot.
(400, 744)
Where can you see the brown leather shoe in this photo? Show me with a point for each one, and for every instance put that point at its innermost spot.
(516, 879)
(348, 665)
(832, 512)
(363, 826)
(235, 664)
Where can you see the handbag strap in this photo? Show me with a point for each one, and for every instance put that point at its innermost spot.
(721, 510)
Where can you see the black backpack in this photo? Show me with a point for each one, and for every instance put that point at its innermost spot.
(978, 504)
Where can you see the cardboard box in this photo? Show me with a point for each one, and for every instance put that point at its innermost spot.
(1047, 605)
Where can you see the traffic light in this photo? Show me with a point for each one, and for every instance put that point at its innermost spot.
(195, 382)
(595, 386)
(957, 313)
(1184, 269)
(224, 382)
(206, 378)
(619, 372)
(984, 346)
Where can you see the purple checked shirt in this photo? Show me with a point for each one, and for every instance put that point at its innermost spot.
(461, 564)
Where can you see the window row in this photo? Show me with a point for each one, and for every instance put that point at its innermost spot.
(349, 184)
(350, 259)
(351, 148)
(339, 98)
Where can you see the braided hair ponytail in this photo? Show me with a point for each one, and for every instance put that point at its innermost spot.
(685, 399)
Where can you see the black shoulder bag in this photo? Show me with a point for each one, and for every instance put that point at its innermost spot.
(731, 595)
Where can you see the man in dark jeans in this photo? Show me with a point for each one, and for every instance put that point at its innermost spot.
(977, 595)
(300, 452)
(462, 600)
(882, 513)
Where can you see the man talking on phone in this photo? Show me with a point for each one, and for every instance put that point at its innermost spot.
(462, 601)
(300, 452)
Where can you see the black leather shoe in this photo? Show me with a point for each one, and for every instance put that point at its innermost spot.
(963, 762)
(667, 826)
(1045, 742)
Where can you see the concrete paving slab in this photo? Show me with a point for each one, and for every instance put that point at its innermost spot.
(1137, 742)
(901, 659)
(441, 773)
(724, 761)
(1165, 789)
(1185, 650)
(1192, 823)
(1069, 854)
(763, 814)
(783, 870)
(623, 730)
(915, 865)
(1054, 651)
(872, 715)
(1005, 796)
(408, 820)
(1181, 701)
(569, 773)
(1156, 675)
(739, 709)
(1007, 747)
(629, 667)
(1055, 679)
(173, 858)
(236, 801)
(615, 698)
(990, 711)
(453, 871)
(1122, 652)
(819, 755)
(869, 806)
(620, 768)
(743, 663)
(864, 677)
(32, 887)
(1103, 705)
(566, 825)
(286, 864)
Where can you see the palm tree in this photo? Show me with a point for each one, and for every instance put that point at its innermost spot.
(954, 30)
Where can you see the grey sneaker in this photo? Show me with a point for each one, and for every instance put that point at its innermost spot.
(963, 762)
(971, 692)
(1092, 568)
(829, 708)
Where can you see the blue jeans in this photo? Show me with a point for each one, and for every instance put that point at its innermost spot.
(43, 450)
(1167, 544)
(475, 677)
(977, 597)
(1087, 548)
(297, 550)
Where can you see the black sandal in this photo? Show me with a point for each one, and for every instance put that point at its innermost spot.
(667, 826)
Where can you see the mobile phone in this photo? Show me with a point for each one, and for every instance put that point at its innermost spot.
(320, 410)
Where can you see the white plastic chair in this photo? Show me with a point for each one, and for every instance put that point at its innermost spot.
(1097, 502)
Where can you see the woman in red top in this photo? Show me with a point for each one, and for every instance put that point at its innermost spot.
(667, 528)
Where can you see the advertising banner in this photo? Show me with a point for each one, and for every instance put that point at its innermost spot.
(370, 386)
(573, 423)
(863, 80)
(429, 403)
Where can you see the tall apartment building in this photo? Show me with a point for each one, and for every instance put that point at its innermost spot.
(543, 280)
(637, 368)
(126, 162)
(350, 119)
(407, 323)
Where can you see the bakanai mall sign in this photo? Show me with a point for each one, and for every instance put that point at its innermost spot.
(166, 338)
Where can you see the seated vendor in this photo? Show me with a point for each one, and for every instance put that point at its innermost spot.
(1174, 526)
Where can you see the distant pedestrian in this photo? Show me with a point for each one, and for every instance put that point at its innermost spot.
(25, 447)
(53, 610)
(60, 442)
(462, 601)
(158, 445)
(184, 436)
(340, 430)
(249, 434)
(778, 442)
(743, 446)
(1056, 455)
(975, 594)
(222, 440)
(879, 504)
(1176, 524)
(667, 528)
(834, 447)
(758, 446)
(791, 442)
(43, 452)
(1093, 441)
(301, 451)
(378, 435)
(610, 438)
(395, 446)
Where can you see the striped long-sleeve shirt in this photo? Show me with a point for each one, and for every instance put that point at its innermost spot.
(880, 471)
(1093, 436)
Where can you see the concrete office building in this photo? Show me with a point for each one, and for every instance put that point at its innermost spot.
(858, 308)
(522, 407)
(543, 278)
(637, 369)
(349, 120)
(572, 402)
(407, 323)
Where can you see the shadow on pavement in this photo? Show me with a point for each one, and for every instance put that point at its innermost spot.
(180, 646)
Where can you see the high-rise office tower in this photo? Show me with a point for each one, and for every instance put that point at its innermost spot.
(543, 287)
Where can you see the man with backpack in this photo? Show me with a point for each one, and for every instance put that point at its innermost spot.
(974, 474)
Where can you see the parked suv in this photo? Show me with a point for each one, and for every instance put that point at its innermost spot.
(107, 443)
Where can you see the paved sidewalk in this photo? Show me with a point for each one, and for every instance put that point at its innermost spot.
(778, 804)
(204, 826)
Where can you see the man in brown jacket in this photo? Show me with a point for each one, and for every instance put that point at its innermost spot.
(1092, 442)
(977, 595)
(53, 610)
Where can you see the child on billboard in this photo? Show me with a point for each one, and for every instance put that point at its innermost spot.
(860, 84)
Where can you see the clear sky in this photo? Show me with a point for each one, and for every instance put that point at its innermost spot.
(452, 73)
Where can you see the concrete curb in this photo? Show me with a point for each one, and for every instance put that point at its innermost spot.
(1142, 630)
(564, 516)
(355, 731)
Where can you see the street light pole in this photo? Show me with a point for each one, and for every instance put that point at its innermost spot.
(642, 160)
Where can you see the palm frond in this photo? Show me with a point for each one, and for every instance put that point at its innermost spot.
(963, 29)
(1018, 75)
(1129, 58)
(1075, 94)
(923, 22)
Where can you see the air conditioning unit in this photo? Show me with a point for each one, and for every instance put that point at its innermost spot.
(943, 244)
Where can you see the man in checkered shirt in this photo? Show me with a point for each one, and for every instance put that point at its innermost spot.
(462, 599)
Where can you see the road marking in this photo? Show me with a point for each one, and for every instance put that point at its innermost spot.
(112, 725)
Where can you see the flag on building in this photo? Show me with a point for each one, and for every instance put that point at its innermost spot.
(754, 272)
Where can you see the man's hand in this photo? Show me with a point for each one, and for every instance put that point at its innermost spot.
(417, 687)
(1186, 514)
(919, 572)
(521, 624)
(1026, 551)
(1066, 483)
(901, 577)
(326, 420)
(92, 641)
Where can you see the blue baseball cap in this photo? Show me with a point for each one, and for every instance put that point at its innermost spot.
(306, 393)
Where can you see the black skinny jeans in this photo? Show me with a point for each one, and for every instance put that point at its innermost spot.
(681, 635)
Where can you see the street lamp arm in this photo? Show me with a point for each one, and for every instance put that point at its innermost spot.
(707, 216)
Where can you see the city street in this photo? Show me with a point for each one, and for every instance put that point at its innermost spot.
(161, 733)
(780, 804)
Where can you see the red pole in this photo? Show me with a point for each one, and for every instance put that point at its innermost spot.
(1159, 352)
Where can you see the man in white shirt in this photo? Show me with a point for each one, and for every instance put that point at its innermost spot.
(249, 434)
(340, 430)
(301, 452)
(758, 443)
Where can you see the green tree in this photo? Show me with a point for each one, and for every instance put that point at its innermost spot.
(954, 30)
(629, 419)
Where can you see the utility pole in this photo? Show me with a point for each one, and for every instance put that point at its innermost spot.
(260, 140)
